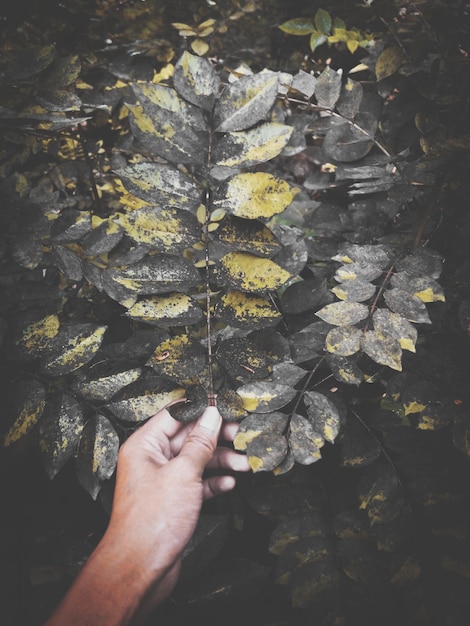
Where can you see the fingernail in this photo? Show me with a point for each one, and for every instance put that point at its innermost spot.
(211, 419)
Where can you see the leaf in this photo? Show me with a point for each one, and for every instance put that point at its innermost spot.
(196, 80)
(173, 309)
(423, 262)
(194, 405)
(199, 46)
(102, 239)
(248, 236)
(245, 102)
(104, 381)
(157, 183)
(355, 290)
(29, 62)
(262, 438)
(143, 398)
(407, 305)
(322, 414)
(423, 287)
(155, 274)
(350, 99)
(396, 326)
(97, 454)
(344, 340)
(287, 374)
(166, 230)
(166, 125)
(328, 88)
(344, 142)
(343, 313)
(316, 40)
(380, 494)
(28, 405)
(71, 226)
(254, 195)
(244, 310)
(359, 271)
(377, 255)
(344, 370)
(304, 441)
(253, 146)
(250, 273)
(68, 262)
(59, 432)
(389, 62)
(74, 345)
(298, 26)
(382, 348)
(230, 405)
(35, 333)
(179, 358)
(243, 359)
(358, 447)
(265, 397)
(322, 21)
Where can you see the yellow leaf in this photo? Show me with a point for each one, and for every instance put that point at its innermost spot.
(388, 62)
(251, 273)
(414, 407)
(200, 47)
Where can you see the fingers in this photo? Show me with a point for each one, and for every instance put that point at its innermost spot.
(225, 458)
(216, 485)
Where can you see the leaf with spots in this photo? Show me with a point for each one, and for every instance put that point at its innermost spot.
(251, 273)
(246, 310)
(304, 441)
(264, 397)
(173, 309)
(248, 236)
(343, 313)
(322, 414)
(263, 439)
(179, 358)
(28, 399)
(382, 348)
(74, 345)
(396, 326)
(196, 80)
(355, 290)
(344, 340)
(407, 305)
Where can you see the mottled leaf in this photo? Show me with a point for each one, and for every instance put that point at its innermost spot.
(243, 359)
(102, 239)
(304, 441)
(166, 230)
(104, 381)
(157, 183)
(34, 333)
(357, 271)
(423, 287)
(328, 88)
(344, 340)
(250, 147)
(264, 397)
(344, 370)
(358, 448)
(355, 290)
(245, 102)
(350, 98)
(322, 414)
(68, 262)
(74, 345)
(173, 309)
(59, 432)
(422, 262)
(196, 80)
(343, 313)
(345, 142)
(179, 357)
(287, 373)
(380, 493)
(382, 348)
(248, 236)
(248, 272)
(247, 310)
(254, 195)
(396, 326)
(97, 454)
(298, 26)
(230, 405)
(29, 399)
(407, 305)
(263, 439)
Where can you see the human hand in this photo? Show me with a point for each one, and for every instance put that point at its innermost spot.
(160, 488)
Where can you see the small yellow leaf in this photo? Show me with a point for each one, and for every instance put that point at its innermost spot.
(414, 407)
(200, 47)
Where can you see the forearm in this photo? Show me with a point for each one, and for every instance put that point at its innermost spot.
(108, 591)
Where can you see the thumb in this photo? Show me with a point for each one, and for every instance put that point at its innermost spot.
(201, 442)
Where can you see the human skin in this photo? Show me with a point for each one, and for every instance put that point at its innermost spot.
(160, 489)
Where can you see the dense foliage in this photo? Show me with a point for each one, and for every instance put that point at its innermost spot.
(262, 238)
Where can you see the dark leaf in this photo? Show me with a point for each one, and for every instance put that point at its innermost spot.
(68, 262)
(382, 348)
(179, 358)
(103, 381)
(343, 313)
(295, 527)
(422, 262)
(388, 62)
(196, 80)
(344, 370)
(73, 346)
(302, 296)
(322, 414)
(230, 405)
(248, 236)
(173, 309)
(380, 493)
(243, 359)
(28, 402)
(358, 447)
(345, 142)
(287, 374)
(102, 239)
(350, 98)
(247, 310)
(34, 333)
(328, 88)
(29, 62)
(355, 290)
(396, 326)
(193, 407)
(423, 287)
(407, 305)
(262, 438)
(304, 441)
(264, 397)
(344, 340)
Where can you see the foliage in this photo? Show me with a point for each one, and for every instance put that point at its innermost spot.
(190, 231)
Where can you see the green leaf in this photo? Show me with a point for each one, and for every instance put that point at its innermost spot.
(173, 309)
(322, 414)
(246, 310)
(196, 80)
(396, 326)
(253, 146)
(248, 272)
(262, 438)
(29, 400)
(178, 358)
(328, 88)
(245, 102)
(298, 26)
(322, 21)
(97, 454)
(145, 397)
(264, 397)
(166, 230)
(389, 62)
(248, 236)
(304, 441)
(158, 183)
(74, 345)
(343, 313)
(382, 349)
(344, 340)
(59, 432)
(254, 195)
